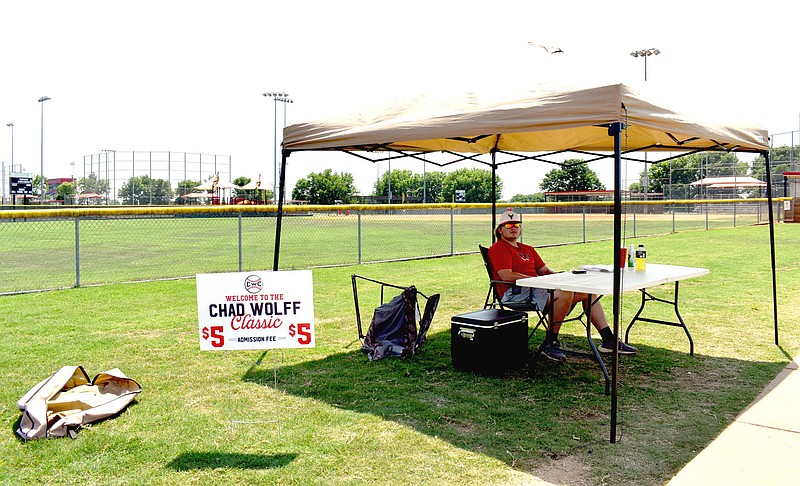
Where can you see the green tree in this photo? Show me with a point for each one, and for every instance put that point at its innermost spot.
(575, 175)
(38, 184)
(721, 164)
(536, 197)
(402, 185)
(266, 194)
(243, 181)
(476, 182)
(635, 187)
(64, 190)
(431, 187)
(325, 188)
(93, 184)
(185, 187)
(262, 194)
(144, 190)
(406, 184)
(782, 159)
(672, 177)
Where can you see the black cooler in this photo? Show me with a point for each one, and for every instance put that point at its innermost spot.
(489, 341)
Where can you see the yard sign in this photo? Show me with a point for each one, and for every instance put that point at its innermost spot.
(255, 310)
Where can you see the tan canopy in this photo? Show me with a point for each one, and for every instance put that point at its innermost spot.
(548, 120)
(596, 121)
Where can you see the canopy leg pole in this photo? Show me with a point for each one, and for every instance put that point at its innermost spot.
(279, 221)
(772, 246)
(615, 130)
(494, 194)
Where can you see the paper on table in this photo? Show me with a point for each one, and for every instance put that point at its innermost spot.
(596, 268)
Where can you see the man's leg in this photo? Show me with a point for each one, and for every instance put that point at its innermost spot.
(597, 317)
(598, 320)
(561, 307)
(561, 304)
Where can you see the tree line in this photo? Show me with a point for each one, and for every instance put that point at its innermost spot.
(672, 178)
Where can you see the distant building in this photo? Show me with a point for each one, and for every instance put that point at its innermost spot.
(52, 187)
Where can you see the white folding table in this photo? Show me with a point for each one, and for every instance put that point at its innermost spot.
(598, 280)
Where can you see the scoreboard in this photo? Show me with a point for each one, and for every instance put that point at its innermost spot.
(20, 183)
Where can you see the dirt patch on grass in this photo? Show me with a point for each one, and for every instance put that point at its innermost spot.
(563, 470)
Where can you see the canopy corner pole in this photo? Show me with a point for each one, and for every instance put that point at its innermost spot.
(765, 153)
(494, 194)
(279, 221)
(615, 130)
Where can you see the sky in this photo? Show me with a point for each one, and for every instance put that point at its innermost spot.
(188, 76)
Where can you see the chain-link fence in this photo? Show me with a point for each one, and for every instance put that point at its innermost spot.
(61, 248)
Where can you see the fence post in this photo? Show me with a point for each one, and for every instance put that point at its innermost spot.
(583, 208)
(240, 242)
(672, 205)
(452, 235)
(359, 236)
(758, 213)
(734, 214)
(634, 220)
(77, 252)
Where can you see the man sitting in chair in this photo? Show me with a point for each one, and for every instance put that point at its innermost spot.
(511, 260)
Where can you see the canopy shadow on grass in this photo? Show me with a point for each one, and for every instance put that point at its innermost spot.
(212, 460)
(546, 410)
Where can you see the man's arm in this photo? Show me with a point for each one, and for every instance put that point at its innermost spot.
(509, 275)
(545, 270)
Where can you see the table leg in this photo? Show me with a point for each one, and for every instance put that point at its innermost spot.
(647, 297)
(595, 354)
(590, 302)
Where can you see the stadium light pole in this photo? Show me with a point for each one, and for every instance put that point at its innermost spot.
(41, 173)
(12, 143)
(113, 171)
(283, 98)
(645, 53)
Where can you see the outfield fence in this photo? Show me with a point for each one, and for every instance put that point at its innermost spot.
(72, 247)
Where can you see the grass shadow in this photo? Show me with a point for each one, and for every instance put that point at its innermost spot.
(213, 460)
(545, 410)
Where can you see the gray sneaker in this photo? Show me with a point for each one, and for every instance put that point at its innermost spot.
(553, 352)
(625, 349)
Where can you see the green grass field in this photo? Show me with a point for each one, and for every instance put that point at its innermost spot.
(345, 420)
(42, 254)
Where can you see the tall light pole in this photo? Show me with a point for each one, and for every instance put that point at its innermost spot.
(3, 172)
(12, 144)
(41, 173)
(113, 172)
(645, 53)
(283, 98)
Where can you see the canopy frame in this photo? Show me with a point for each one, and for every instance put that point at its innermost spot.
(614, 130)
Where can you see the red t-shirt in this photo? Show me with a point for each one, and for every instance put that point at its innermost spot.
(522, 258)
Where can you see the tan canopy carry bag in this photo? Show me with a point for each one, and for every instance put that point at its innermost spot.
(58, 405)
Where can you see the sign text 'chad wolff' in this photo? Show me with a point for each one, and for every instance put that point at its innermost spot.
(255, 310)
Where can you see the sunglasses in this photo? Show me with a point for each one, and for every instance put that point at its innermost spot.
(510, 225)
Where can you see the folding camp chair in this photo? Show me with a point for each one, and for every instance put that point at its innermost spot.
(393, 330)
(494, 299)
